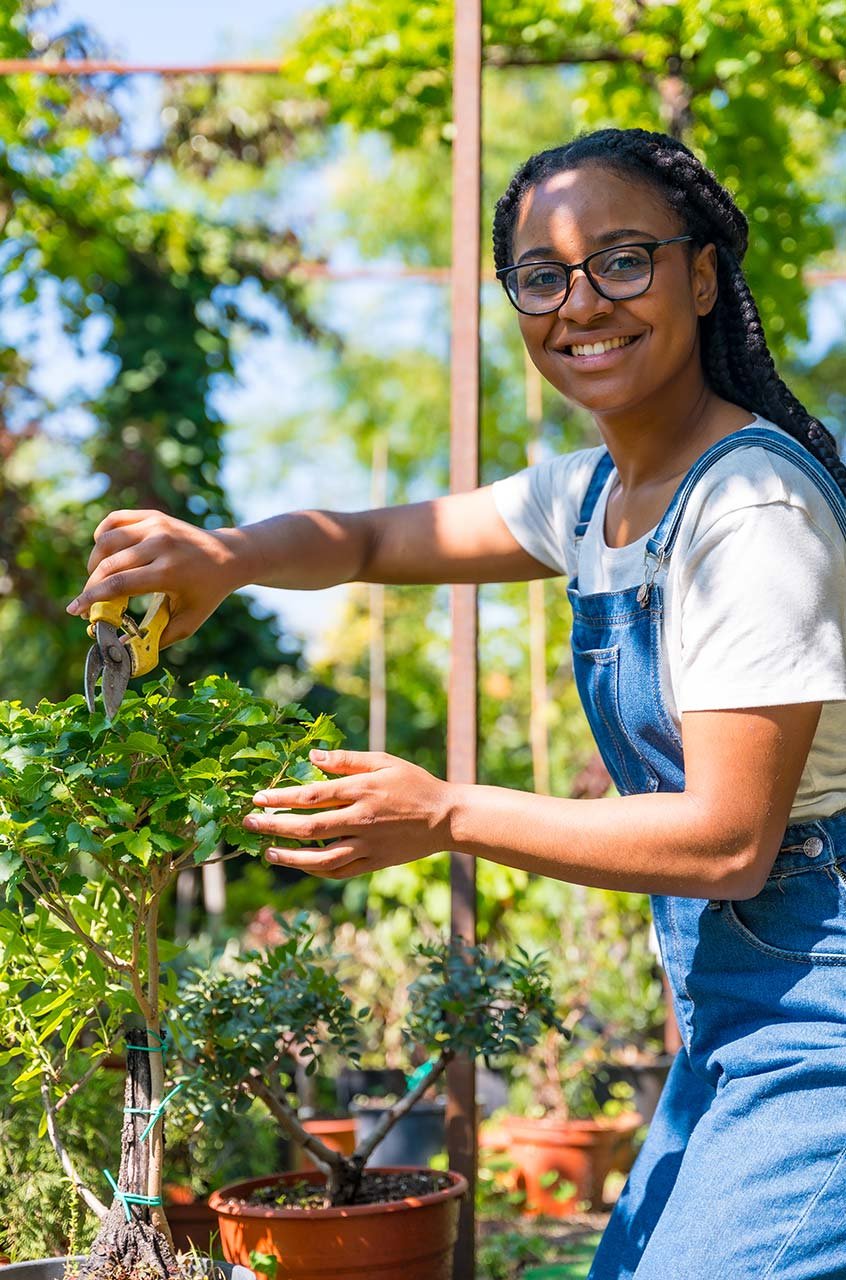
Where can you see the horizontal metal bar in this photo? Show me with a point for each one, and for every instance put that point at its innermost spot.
(100, 67)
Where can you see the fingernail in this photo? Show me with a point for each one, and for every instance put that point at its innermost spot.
(73, 607)
(317, 755)
(250, 824)
(261, 797)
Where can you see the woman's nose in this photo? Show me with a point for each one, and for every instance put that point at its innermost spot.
(583, 302)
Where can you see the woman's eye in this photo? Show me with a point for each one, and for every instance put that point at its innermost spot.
(544, 278)
(621, 263)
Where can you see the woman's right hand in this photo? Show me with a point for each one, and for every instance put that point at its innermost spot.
(138, 552)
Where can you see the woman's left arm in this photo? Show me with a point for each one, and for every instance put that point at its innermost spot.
(716, 839)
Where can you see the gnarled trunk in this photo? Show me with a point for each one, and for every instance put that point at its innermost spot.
(136, 1246)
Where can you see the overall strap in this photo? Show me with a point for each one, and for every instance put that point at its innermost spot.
(600, 474)
(659, 547)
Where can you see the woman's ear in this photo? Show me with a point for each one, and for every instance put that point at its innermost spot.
(703, 273)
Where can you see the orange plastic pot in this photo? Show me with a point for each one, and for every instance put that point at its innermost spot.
(412, 1238)
(191, 1221)
(338, 1134)
(549, 1152)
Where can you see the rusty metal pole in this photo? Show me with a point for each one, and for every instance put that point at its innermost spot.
(538, 713)
(462, 724)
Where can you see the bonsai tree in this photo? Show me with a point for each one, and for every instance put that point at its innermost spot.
(238, 1030)
(97, 820)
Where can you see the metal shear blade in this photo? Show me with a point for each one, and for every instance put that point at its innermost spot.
(109, 661)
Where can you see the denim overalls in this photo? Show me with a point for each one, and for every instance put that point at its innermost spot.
(743, 1172)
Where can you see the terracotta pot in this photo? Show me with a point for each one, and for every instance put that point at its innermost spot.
(338, 1134)
(582, 1152)
(411, 1238)
(192, 1223)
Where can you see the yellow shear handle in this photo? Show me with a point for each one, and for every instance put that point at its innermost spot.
(107, 611)
(144, 647)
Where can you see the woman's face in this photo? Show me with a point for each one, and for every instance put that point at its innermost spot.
(570, 215)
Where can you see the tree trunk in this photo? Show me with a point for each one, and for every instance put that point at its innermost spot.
(130, 1247)
(343, 1182)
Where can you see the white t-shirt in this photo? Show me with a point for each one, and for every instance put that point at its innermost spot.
(754, 592)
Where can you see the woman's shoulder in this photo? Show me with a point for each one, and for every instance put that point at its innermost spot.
(747, 479)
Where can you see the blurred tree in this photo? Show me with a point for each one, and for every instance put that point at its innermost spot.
(155, 284)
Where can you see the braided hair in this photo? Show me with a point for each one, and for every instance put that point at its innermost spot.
(736, 360)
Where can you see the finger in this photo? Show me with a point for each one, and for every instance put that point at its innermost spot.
(316, 795)
(115, 540)
(116, 519)
(120, 562)
(129, 582)
(337, 862)
(347, 762)
(328, 825)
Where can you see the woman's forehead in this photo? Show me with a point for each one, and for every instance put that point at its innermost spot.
(585, 205)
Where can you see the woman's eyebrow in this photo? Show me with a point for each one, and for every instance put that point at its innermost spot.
(604, 237)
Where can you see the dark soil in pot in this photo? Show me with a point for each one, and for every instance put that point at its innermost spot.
(375, 1188)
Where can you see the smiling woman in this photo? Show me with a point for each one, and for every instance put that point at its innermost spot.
(704, 546)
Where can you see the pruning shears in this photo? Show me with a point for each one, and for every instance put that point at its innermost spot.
(119, 657)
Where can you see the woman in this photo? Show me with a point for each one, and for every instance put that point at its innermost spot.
(704, 543)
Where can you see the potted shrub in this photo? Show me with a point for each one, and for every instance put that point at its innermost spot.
(346, 1219)
(564, 1142)
(96, 822)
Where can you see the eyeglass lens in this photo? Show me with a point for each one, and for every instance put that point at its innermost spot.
(621, 272)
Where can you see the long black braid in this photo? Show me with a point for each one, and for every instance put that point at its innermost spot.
(736, 359)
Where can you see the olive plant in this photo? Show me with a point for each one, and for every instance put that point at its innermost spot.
(238, 1029)
(97, 820)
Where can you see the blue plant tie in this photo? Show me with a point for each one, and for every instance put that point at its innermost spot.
(127, 1198)
(161, 1047)
(420, 1073)
(155, 1112)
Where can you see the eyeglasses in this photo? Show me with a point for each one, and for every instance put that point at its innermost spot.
(626, 271)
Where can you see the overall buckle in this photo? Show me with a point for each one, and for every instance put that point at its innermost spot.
(650, 572)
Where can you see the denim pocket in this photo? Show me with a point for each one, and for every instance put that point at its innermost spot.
(597, 673)
(799, 916)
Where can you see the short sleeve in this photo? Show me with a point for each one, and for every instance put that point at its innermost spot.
(540, 505)
(763, 612)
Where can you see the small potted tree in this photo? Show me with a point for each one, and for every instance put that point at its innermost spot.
(346, 1219)
(562, 1141)
(96, 822)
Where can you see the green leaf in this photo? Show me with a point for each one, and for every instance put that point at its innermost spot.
(145, 743)
(81, 838)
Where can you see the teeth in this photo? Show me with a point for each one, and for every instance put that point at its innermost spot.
(596, 348)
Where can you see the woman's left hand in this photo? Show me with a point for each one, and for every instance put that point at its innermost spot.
(380, 812)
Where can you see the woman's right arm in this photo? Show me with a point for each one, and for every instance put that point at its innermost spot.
(460, 538)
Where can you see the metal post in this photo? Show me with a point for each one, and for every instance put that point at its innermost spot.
(538, 726)
(378, 729)
(462, 724)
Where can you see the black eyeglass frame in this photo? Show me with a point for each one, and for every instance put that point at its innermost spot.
(649, 245)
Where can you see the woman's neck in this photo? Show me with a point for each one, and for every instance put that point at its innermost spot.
(660, 439)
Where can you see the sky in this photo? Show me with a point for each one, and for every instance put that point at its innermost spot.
(185, 30)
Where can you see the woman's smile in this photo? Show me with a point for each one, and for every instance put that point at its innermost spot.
(589, 353)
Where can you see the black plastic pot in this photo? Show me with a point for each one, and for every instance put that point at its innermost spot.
(373, 1082)
(646, 1079)
(420, 1134)
(54, 1269)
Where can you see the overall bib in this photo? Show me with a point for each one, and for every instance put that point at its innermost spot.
(743, 1172)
